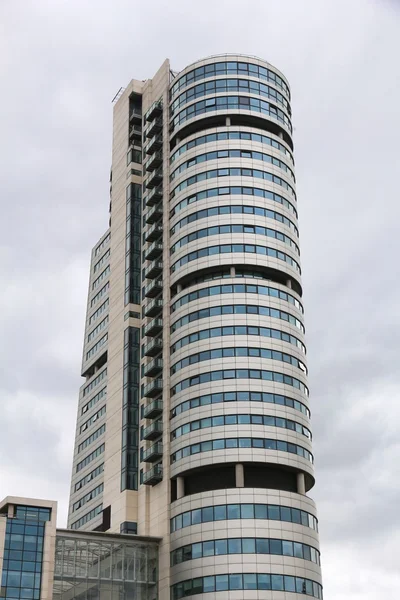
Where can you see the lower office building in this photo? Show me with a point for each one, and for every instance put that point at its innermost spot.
(40, 562)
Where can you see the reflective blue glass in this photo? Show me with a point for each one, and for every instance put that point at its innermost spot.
(22, 566)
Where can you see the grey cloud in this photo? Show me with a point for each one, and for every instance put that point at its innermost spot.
(62, 62)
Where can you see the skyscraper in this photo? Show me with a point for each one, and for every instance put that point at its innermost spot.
(194, 421)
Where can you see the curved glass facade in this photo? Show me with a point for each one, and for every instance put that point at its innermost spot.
(231, 67)
(244, 132)
(233, 191)
(245, 103)
(220, 86)
(206, 334)
(258, 545)
(239, 288)
(234, 172)
(244, 419)
(246, 581)
(248, 229)
(234, 210)
(229, 443)
(219, 154)
(233, 512)
(233, 248)
(243, 396)
(226, 374)
(238, 352)
(237, 309)
(246, 136)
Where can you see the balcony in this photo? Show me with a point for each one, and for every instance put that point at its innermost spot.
(154, 213)
(154, 128)
(153, 308)
(154, 196)
(153, 431)
(152, 389)
(154, 161)
(153, 476)
(153, 289)
(135, 133)
(154, 327)
(154, 111)
(153, 409)
(153, 368)
(154, 347)
(153, 453)
(155, 144)
(154, 232)
(154, 269)
(154, 179)
(153, 251)
(135, 116)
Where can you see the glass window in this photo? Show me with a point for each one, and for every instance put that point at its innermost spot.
(230, 419)
(277, 582)
(290, 585)
(307, 553)
(244, 443)
(196, 516)
(221, 547)
(221, 583)
(248, 546)
(287, 548)
(250, 581)
(218, 444)
(298, 550)
(233, 511)
(247, 511)
(196, 550)
(296, 517)
(275, 546)
(264, 582)
(261, 511)
(197, 586)
(220, 513)
(231, 443)
(243, 419)
(208, 584)
(236, 581)
(208, 548)
(274, 512)
(262, 546)
(186, 519)
(207, 514)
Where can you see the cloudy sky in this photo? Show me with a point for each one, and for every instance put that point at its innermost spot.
(61, 63)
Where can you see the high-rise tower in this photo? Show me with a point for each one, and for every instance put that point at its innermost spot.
(194, 421)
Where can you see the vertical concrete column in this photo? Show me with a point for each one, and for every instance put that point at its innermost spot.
(280, 134)
(178, 139)
(178, 288)
(233, 271)
(289, 283)
(301, 484)
(228, 121)
(180, 487)
(239, 475)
